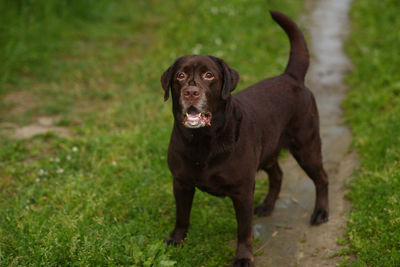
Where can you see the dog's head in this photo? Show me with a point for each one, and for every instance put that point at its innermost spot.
(200, 86)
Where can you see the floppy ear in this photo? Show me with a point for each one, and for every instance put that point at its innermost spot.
(167, 78)
(230, 78)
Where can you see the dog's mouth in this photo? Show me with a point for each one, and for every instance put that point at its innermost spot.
(196, 119)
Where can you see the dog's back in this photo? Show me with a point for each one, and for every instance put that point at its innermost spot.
(277, 105)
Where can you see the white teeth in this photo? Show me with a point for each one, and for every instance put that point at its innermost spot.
(193, 117)
(194, 121)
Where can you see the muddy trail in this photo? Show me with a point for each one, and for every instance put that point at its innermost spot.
(287, 239)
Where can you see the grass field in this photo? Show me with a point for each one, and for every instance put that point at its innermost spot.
(103, 195)
(373, 111)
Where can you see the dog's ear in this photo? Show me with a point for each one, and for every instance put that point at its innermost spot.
(167, 78)
(230, 77)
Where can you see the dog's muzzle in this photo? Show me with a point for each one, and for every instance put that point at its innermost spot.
(193, 101)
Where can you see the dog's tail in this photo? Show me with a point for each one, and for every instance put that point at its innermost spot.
(299, 58)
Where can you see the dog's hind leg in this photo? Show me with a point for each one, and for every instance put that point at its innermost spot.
(308, 155)
(275, 182)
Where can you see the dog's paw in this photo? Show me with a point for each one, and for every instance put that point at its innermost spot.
(242, 263)
(263, 210)
(319, 216)
(171, 241)
(176, 237)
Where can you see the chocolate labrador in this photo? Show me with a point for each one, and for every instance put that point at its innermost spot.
(219, 141)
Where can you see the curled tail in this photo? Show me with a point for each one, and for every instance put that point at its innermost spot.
(299, 58)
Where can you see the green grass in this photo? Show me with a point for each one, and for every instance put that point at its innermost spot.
(103, 196)
(32, 32)
(373, 111)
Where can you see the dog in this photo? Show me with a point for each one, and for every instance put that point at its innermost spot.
(219, 141)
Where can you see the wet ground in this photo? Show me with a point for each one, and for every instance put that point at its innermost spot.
(287, 239)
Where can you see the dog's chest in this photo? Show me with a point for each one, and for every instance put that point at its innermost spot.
(211, 175)
(216, 184)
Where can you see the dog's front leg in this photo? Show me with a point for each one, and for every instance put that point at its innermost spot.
(183, 198)
(244, 206)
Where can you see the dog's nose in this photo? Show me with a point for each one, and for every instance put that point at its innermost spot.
(191, 93)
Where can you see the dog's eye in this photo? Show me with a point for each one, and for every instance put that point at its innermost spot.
(208, 76)
(181, 76)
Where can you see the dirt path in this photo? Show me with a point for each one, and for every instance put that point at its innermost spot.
(287, 238)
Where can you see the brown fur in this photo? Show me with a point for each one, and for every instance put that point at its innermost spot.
(247, 132)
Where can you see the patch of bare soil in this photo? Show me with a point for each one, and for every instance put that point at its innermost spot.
(287, 237)
(22, 101)
(43, 125)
